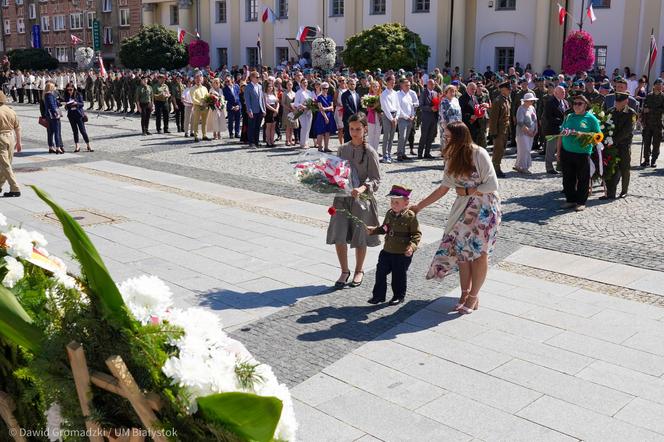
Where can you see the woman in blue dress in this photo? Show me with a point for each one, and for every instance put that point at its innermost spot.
(324, 124)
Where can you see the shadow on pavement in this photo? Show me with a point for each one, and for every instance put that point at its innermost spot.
(229, 299)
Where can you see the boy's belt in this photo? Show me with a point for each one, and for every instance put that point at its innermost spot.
(399, 234)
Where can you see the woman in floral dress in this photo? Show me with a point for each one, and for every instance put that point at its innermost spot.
(470, 234)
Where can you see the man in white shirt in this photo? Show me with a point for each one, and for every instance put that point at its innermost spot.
(408, 102)
(301, 96)
(389, 103)
(30, 84)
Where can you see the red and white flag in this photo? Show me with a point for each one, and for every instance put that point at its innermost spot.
(304, 32)
(591, 13)
(181, 33)
(102, 69)
(75, 40)
(562, 12)
(269, 15)
(652, 52)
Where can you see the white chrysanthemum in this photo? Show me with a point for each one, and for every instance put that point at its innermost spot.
(3, 220)
(270, 386)
(38, 239)
(609, 141)
(146, 296)
(54, 422)
(19, 243)
(15, 272)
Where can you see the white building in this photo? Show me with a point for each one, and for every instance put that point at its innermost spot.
(467, 33)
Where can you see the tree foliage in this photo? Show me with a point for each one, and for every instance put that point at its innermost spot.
(154, 47)
(31, 58)
(387, 46)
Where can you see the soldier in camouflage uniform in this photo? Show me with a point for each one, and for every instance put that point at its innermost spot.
(624, 119)
(89, 89)
(108, 95)
(125, 92)
(651, 118)
(134, 82)
(117, 91)
(100, 92)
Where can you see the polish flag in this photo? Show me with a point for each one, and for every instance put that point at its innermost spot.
(652, 52)
(304, 32)
(102, 69)
(75, 40)
(591, 13)
(269, 15)
(562, 12)
(181, 33)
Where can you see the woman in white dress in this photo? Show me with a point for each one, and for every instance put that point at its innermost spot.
(339, 109)
(217, 117)
(526, 129)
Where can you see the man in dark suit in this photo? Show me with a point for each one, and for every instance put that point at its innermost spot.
(552, 118)
(350, 100)
(429, 120)
(467, 102)
(233, 107)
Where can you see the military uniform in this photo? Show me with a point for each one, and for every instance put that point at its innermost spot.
(134, 83)
(653, 108)
(125, 93)
(8, 126)
(483, 98)
(177, 88)
(624, 122)
(89, 90)
(402, 230)
(145, 99)
(108, 94)
(117, 92)
(100, 92)
(499, 129)
(162, 95)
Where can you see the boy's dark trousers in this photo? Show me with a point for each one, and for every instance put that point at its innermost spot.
(621, 173)
(397, 264)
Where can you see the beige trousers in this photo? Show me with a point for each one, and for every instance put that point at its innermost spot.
(6, 157)
(199, 117)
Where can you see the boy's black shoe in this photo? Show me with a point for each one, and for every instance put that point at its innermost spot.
(376, 300)
(395, 301)
(11, 194)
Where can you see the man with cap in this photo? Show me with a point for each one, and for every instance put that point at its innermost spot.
(89, 89)
(591, 93)
(100, 91)
(499, 125)
(144, 102)
(8, 125)
(624, 119)
(621, 86)
(651, 118)
(162, 97)
(109, 93)
(403, 235)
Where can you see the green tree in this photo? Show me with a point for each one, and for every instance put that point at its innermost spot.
(154, 47)
(387, 46)
(31, 58)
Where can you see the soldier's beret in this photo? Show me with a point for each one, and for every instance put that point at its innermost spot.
(523, 80)
(620, 80)
(589, 80)
(563, 84)
(505, 85)
(539, 79)
(605, 86)
(621, 96)
(658, 81)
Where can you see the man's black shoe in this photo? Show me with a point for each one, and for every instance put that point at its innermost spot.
(606, 197)
(552, 172)
(158, 131)
(376, 300)
(644, 164)
(148, 133)
(623, 195)
(395, 301)
(653, 164)
(166, 131)
(11, 194)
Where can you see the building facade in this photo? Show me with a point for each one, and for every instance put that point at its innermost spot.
(465, 33)
(57, 20)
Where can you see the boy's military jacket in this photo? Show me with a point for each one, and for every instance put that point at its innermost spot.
(401, 230)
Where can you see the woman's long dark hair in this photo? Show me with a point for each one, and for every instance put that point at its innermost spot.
(361, 118)
(66, 94)
(459, 150)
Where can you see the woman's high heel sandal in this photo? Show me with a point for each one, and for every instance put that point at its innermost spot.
(462, 300)
(468, 308)
(353, 283)
(342, 284)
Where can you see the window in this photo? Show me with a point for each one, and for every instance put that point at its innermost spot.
(108, 35)
(91, 19)
(504, 58)
(61, 54)
(124, 17)
(8, 27)
(45, 22)
(222, 53)
(377, 7)
(252, 56)
(20, 26)
(174, 14)
(32, 11)
(221, 11)
(336, 8)
(19, 2)
(282, 54)
(76, 20)
(600, 58)
(251, 7)
(59, 23)
(505, 5)
(282, 9)
(601, 4)
(107, 6)
(421, 5)
(5, 2)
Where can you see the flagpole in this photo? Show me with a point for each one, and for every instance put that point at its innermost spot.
(583, 10)
(564, 34)
(652, 35)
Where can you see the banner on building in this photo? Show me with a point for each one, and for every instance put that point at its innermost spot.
(36, 36)
(96, 35)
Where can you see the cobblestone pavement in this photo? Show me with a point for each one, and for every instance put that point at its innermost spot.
(621, 231)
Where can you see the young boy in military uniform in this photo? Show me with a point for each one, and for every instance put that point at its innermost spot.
(624, 118)
(403, 235)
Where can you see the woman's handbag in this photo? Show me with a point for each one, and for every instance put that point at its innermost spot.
(43, 121)
(85, 118)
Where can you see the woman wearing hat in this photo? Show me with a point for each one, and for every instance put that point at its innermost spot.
(526, 129)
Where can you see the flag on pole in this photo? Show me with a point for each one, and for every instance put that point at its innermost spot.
(102, 69)
(260, 50)
(181, 33)
(269, 15)
(304, 32)
(562, 12)
(75, 40)
(591, 13)
(652, 52)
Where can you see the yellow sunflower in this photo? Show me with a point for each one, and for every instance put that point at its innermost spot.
(598, 137)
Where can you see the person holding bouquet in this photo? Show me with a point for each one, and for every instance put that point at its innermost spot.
(344, 228)
(574, 151)
(324, 123)
(526, 129)
(304, 97)
(624, 118)
(217, 114)
(374, 114)
(198, 93)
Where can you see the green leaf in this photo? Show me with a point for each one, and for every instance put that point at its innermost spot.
(248, 415)
(99, 279)
(15, 324)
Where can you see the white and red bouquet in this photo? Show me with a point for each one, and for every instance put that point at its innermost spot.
(214, 101)
(325, 173)
(480, 110)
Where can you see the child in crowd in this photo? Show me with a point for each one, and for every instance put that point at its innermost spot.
(403, 235)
